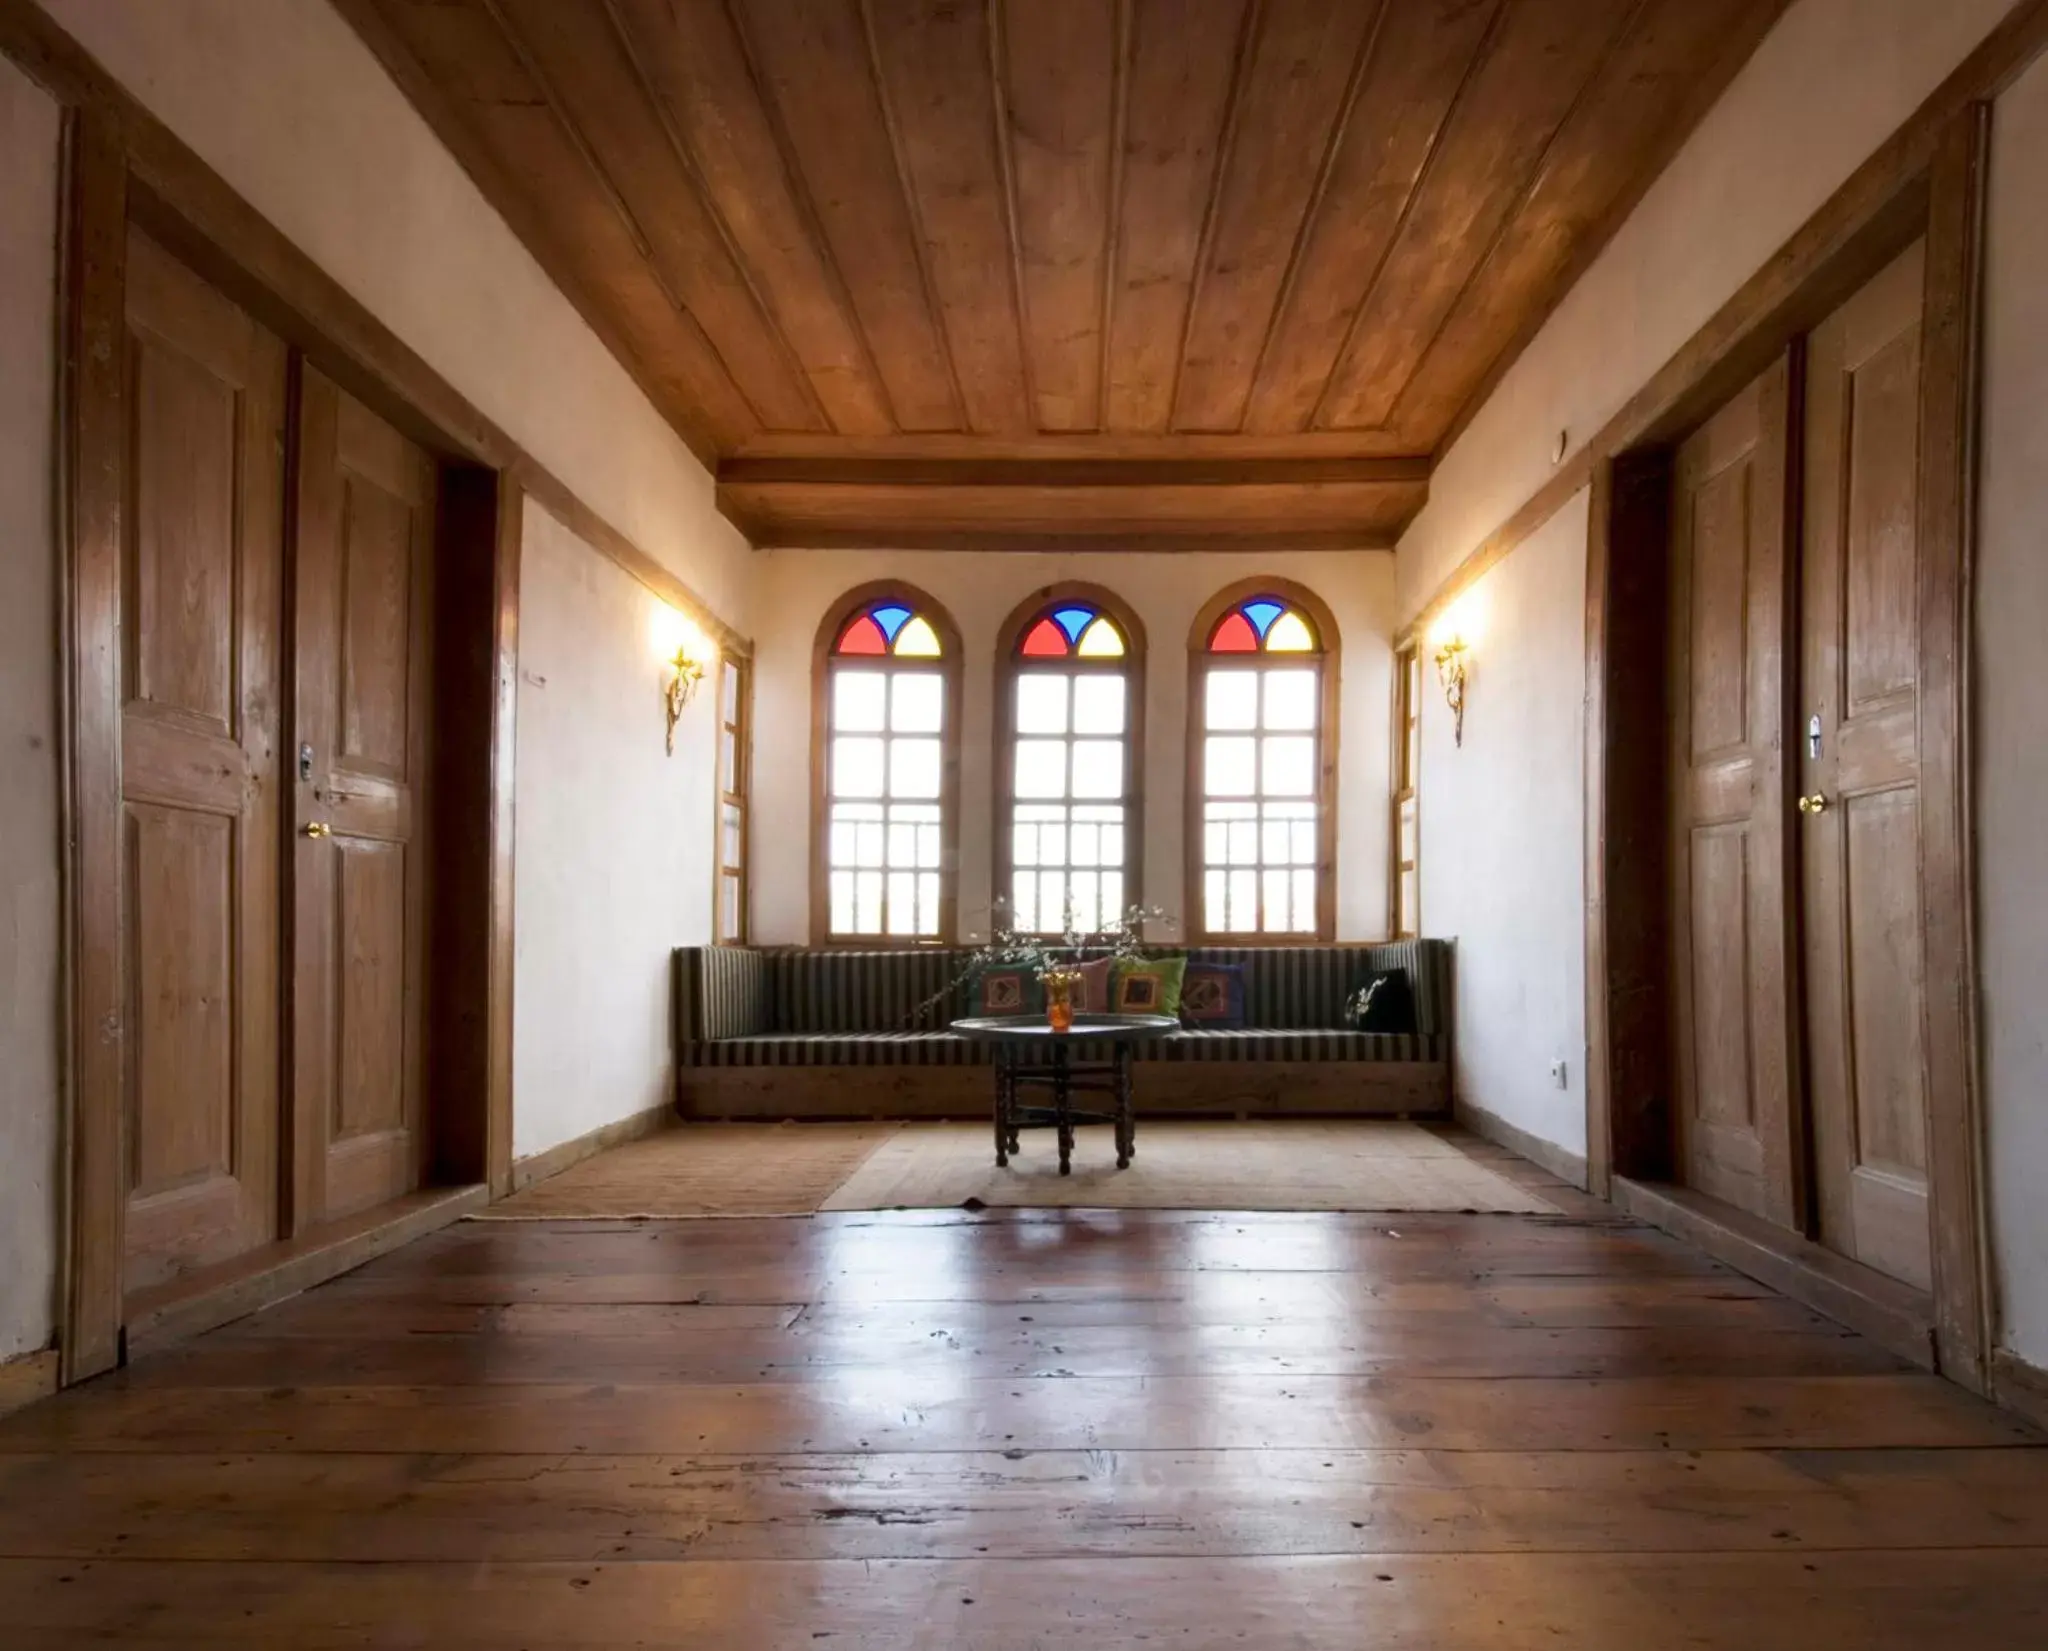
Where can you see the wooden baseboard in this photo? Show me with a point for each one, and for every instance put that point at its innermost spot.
(1165, 1089)
(566, 1154)
(25, 1379)
(1892, 1314)
(1567, 1166)
(205, 1301)
(2020, 1386)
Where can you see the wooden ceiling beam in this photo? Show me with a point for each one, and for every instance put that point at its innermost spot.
(1093, 504)
(1313, 444)
(1226, 256)
(1077, 472)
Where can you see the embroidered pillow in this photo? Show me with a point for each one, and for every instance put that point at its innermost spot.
(1091, 991)
(1212, 995)
(1148, 985)
(1384, 1002)
(1008, 989)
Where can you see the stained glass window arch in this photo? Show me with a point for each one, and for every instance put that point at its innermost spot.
(1262, 732)
(1070, 697)
(888, 735)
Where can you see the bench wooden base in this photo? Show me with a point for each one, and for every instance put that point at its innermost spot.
(1166, 1089)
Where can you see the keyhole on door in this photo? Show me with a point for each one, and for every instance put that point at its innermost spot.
(306, 760)
(1813, 737)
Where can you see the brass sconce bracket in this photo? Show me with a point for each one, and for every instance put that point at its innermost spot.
(685, 674)
(1452, 661)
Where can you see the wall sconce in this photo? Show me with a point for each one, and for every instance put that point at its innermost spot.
(1453, 660)
(684, 675)
(686, 653)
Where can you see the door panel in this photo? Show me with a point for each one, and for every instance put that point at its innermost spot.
(1731, 966)
(366, 516)
(1860, 854)
(201, 601)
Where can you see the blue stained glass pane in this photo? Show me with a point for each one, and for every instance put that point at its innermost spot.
(891, 617)
(1262, 613)
(1073, 621)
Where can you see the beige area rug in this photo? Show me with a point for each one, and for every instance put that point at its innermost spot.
(1362, 1165)
(798, 1169)
(703, 1169)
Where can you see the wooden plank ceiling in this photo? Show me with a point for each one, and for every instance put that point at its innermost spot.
(1030, 273)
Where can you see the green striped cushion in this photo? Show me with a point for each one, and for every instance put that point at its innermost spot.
(845, 1049)
(833, 991)
(1239, 1043)
(721, 992)
(865, 1008)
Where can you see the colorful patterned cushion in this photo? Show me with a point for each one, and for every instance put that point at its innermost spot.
(1147, 985)
(1091, 991)
(1008, 989)
(1212, 995)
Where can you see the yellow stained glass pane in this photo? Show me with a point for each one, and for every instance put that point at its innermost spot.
(1290, 635)
(1101, 640)
(917, 640)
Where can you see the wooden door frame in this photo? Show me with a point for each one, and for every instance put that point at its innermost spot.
(477, 567)
(120, 157)
(1927, 182)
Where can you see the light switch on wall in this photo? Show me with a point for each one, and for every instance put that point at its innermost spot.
(1558, 1075)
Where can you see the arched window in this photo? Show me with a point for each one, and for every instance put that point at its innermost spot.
(887, 719)
(1069, 697)
(1262, 726)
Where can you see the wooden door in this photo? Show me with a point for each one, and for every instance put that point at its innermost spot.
(361, 624)
(1860, 777)
(200, 688)
(1732, 964)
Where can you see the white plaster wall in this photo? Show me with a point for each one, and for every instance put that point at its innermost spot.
(1502, 869)
(282, 99)
(1167, 591)
(1830, 83)
(614, 838)
(2012, 708)
(28, 719)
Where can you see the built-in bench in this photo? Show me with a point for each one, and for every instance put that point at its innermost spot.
(798, 1032)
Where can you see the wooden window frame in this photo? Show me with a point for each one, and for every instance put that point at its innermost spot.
(950, 665)
(1131, 667)
(1405, 767)
(739, 795)
(1329, 662)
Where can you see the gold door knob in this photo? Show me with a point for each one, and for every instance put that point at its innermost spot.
(1816, 804)
(320, 828)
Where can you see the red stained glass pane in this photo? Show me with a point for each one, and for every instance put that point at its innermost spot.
(1234, 636)
(863, 636)
(1045, 641)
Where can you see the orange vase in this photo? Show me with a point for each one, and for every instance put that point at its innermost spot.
(1059, 1000)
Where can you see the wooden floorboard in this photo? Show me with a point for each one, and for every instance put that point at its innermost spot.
(1030, 1431)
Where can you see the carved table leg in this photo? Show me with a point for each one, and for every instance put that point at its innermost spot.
(1063, 1107)
(1126, 1120)
(1004, 1103)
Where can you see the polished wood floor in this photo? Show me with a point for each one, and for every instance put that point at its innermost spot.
(1042, 1431)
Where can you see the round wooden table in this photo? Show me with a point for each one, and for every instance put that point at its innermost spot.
(1093, 1055)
